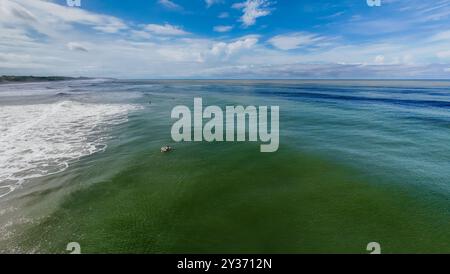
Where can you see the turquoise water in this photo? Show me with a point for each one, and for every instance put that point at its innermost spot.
(359, 161)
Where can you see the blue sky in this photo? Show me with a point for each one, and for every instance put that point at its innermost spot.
(226, 38)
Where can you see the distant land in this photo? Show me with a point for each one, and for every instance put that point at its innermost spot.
(14, 79)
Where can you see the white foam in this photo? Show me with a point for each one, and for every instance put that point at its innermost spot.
(42, 139)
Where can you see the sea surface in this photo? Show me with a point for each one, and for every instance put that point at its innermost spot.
(359, 162)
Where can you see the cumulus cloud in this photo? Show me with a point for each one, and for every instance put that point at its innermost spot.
(41, 37)
(223, 28)
(253, 9)
(227, 49)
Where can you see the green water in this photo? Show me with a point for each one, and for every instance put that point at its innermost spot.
(242, 202)
(224, 197)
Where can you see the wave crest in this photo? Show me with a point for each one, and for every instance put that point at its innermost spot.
(40, 140)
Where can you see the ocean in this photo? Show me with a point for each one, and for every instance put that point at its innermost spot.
(358, 162)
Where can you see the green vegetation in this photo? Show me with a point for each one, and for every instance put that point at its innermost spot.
(8, 79)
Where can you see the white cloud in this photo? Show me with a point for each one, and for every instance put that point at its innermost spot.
(428, 11)
(165, 29)
(441, 36)
(443, 54)
(76, 47)
(227, 49)
(112, 27)
(379, 59)
(47, 18)
(170, 5)
(253, 9)
(295, 40)
(140, 34)
(40, 37)
(223, 28)
(329, 70)
(209, 3)
(223, 15)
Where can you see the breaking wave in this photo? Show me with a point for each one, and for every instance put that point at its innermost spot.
(42, 139)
